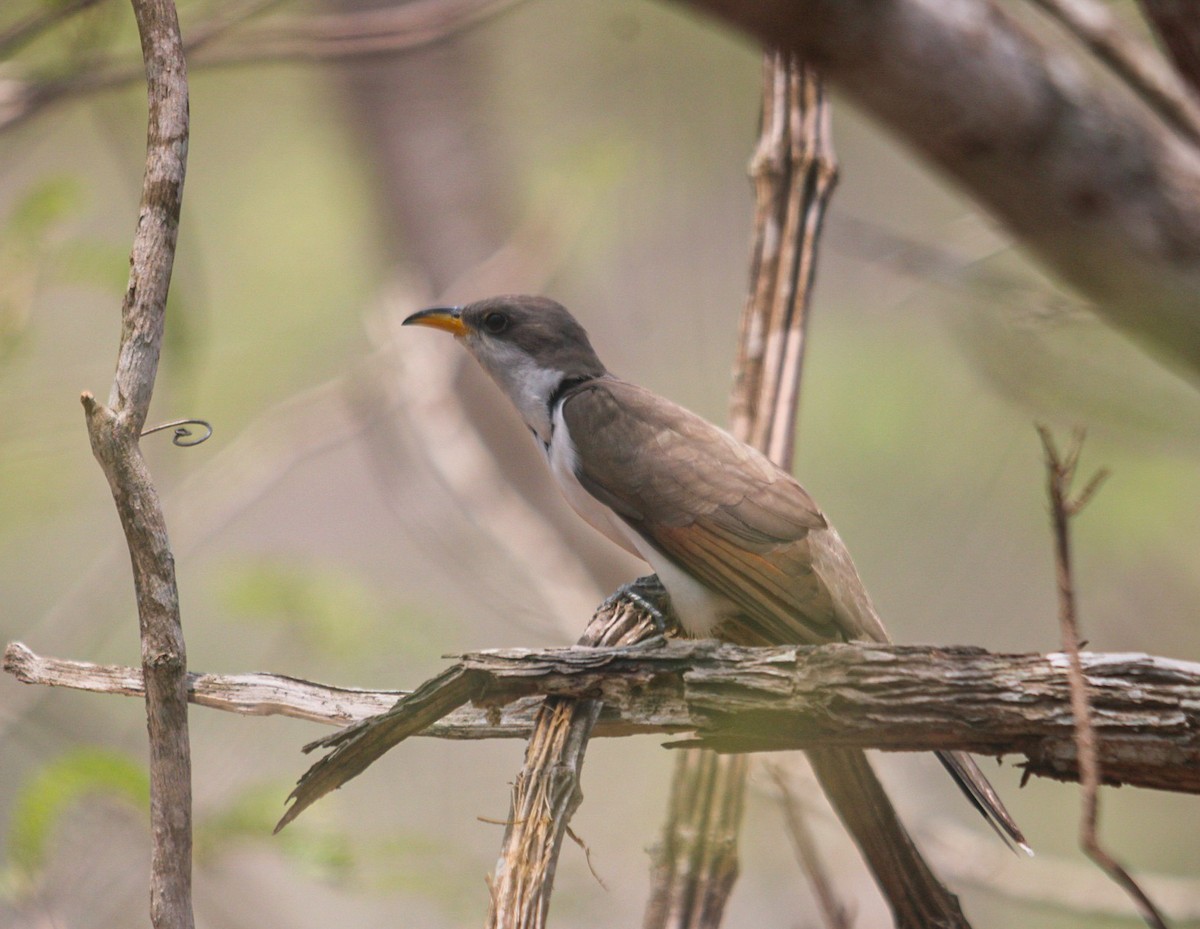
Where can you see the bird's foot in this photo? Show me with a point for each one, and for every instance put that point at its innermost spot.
(648, 594)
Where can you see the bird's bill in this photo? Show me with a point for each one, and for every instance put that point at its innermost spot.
(446, 318)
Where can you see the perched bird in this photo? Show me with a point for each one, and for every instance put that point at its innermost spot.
(743, 551)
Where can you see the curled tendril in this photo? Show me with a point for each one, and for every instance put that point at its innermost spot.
(183, 435)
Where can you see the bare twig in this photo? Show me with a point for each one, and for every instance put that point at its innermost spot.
(1060, 474)
(39, 21)
(835, 913)
(114, 430)
(896, 698)
(1141, 68)
(318, 38)
(794, 172)
(696, 864)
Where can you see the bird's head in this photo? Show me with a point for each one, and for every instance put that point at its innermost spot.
(529, 345)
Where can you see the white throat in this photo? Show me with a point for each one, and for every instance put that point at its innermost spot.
(528, 385)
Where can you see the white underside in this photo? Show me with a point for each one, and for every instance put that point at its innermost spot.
(698, 608)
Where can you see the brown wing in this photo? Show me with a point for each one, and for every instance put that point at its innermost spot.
(733, 520)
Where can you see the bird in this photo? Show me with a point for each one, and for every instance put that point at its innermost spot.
(743, 551)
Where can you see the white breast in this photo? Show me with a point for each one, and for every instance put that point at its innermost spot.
(698, 608)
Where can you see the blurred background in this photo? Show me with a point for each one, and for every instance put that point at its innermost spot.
(368, 504)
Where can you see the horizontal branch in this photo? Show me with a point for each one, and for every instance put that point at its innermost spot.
(909, 698)
(262, 694)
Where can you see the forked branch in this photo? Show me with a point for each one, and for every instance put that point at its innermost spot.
(1060, 475)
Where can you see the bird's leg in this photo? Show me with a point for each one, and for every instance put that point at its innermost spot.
(648, 594)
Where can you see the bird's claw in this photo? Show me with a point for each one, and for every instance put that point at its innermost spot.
(648, 594)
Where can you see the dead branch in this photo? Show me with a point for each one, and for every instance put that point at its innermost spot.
(114, 430)
(895, 698)
(835, 913)
(1088, 177)
(1141, 68)
(546, 792)
(696, 864)
(215, 43)
(38, 22)
(1060, 475)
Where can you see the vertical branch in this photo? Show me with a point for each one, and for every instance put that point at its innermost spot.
(114, 431)
(546, 793)
(1060, 474)
(793, 171)
(833, 911)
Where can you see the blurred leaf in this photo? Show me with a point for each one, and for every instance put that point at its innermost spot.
(1044, 350)
(47, 203)
(252, 815)
(407, 862)
(50, 793)
(331, 607)
(89, 261)
(23, 249)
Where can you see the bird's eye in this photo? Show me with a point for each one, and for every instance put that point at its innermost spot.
(495, 323)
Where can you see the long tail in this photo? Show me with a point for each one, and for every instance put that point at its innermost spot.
(916, 896)
(983, 797)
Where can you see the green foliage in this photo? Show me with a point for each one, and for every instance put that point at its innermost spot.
(27, 245)
(331, 608)
(48, 203)
(252, 814)
(49, 795)
(407, 863)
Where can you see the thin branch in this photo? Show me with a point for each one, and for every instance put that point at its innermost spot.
(1060, 474)
(114, 430)
(894, 698)
(835, 913)
(1141, 67)
(38, 22)
(314, 39)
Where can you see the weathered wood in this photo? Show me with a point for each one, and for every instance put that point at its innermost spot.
(895, 698)
(547, 789)
(114, 429)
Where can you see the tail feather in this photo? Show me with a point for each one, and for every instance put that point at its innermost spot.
(983, 797)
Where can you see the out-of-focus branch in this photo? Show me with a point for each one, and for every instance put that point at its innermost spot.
(38, 22)
(1138, 65)
(833, 911)
(1177, 25)
(1064, 505)
(114, 430)
(896, 698)
(216, 43)
(1090, 179)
